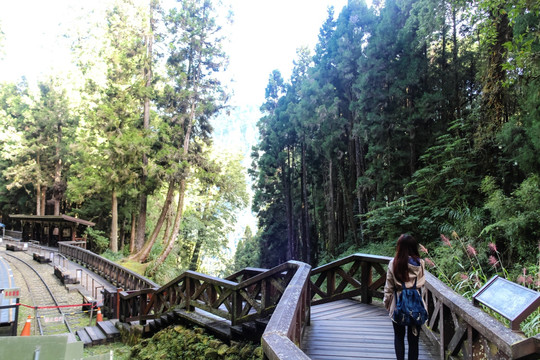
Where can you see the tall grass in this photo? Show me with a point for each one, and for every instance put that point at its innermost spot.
(470, 270)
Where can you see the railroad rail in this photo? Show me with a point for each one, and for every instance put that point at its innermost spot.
(47, 308)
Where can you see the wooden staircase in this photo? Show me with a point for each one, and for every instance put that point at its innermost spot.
(219, 327)
(103, 332)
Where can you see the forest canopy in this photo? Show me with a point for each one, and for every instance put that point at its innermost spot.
(409, 116)
(125, 140)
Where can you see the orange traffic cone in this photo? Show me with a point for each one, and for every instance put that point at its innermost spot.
(27, 325)
(99, 317)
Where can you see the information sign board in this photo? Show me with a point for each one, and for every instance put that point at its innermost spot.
(511, 300)
(11, 293)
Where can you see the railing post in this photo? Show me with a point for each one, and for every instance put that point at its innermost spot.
(118, 290)
(189, 292)
(330, 282)
(142, 305)
(234, 316)
(366, 279)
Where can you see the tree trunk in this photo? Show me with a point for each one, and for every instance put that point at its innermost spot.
(58, 191)
(494, 92)
(348, 205)
(39, 190)
(38, 199)
(132, 235)
(114, 222)
(143, 254)
(194, 263)
(143, 203)
(122, 238)
(306, 223)
(330, 210)
(286, 180)
(140, 232)
(176, 228)
(360, 170)
(43, 199)
(169, 240)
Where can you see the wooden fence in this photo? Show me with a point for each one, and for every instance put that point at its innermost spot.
(116, 274)
(460, 329)
(255, 297)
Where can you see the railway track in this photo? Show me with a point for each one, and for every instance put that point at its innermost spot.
(47, 300)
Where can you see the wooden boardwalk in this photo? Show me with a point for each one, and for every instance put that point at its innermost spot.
(348, 329)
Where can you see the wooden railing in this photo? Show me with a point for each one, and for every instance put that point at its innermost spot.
(114, 273)
(465, 331)
(460, 329)
(355, 275)
(245, 274)
(283, 334)
(239, 302)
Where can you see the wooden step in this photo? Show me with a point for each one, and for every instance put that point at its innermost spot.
(262, 323)
(96, 335)
(108, 328)
(165, 321)
(85, 338)
(172, 317)
(247, 331)
(219, 328)
(237, 333)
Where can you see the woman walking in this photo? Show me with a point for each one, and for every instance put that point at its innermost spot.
(407, 268)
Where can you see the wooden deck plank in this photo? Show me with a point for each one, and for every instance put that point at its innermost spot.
(348, 329)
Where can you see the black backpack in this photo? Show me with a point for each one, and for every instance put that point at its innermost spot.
(409, 307)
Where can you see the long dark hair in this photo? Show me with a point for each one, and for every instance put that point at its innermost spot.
(406, 246)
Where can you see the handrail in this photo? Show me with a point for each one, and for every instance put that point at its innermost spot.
(454, 322)
(338, 280)
(284, 330)
(287, 291)
(255, 297)
(245, 274)
(460, 327)
(115, 273)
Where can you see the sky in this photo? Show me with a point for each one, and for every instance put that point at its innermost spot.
(264, 36)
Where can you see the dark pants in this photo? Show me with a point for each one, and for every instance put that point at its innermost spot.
(399, 341)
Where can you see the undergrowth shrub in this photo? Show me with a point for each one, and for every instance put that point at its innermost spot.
(466, 264)
(181, 343)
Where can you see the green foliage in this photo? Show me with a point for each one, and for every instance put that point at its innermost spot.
(97, 240)
(515, 218)
(247, 251)
(171, 268)
(192, 344)
(466, 264)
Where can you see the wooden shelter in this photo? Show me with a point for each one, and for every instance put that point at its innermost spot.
(48, 230)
